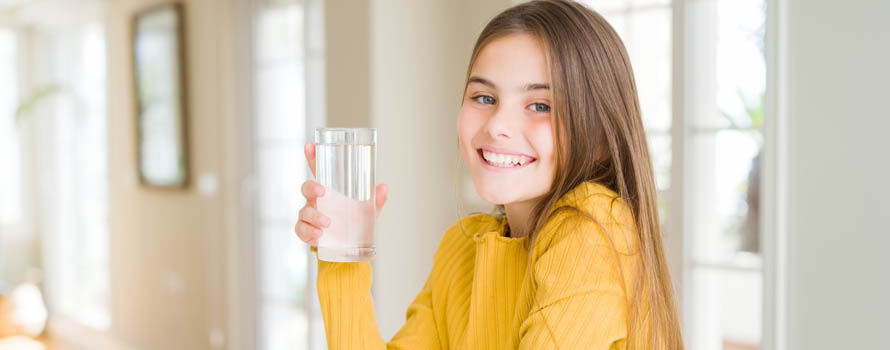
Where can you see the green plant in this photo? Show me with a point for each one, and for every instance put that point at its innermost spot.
(753, 113)
(34, 99)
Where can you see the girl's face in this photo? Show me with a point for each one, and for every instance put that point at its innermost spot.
(504, 125)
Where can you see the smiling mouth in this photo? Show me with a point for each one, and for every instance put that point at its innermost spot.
(501, 160)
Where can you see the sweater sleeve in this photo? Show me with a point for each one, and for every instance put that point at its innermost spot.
(348, 311)
(579, 300)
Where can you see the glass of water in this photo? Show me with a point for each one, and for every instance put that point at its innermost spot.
(345, 164)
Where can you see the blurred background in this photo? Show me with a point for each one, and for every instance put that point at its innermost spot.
(767, 123)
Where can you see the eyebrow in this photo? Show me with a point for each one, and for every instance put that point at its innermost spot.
(527, 87)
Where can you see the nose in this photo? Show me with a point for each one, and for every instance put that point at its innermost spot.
(500, 123)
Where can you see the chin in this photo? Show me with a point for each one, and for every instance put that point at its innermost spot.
(492, 200)
(495, 195)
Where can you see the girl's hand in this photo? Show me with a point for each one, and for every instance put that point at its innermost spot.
(312, 223)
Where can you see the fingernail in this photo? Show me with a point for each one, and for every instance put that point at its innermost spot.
(317, 232)
(318, 190)
(326, 221)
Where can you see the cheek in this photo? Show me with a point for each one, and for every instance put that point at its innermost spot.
(468, 124)
(541, 138)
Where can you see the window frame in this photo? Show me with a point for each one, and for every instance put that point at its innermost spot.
(773, 197)
(39, 32)
(50, 125)
(250, 329)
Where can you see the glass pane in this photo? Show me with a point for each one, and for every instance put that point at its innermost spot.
(92, 181)
(285, 328)
(727, 313)
(646, 33)
(281, 173)
(10, 186)
(726, 144)
(660, 152)
(725, 156)
(740, 67)
(620, 21)
(649, 46)
(726, 176)
(283, 288)
(608, 6)
(285, 266)
(280, 110)
(614, 6)
(647, 37)
(642, 3)
(280, 102)
(279, 34)
(76, 257)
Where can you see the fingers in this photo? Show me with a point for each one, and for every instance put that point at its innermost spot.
(309, 150)
(312, 190)
(310, 225)
(312, 216)
(382, 190)
(311, 221)
(307, 232)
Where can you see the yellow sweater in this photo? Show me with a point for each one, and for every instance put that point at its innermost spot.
(479, 296)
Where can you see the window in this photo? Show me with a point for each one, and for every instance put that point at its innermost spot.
(11, 231)
(645, 28)
(10, 178)
(725, 138)
(70, 126)
(287, 313)
(722, 136)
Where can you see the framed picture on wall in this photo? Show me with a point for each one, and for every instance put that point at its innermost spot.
(158, 74)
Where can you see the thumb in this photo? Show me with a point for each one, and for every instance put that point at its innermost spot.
(382, 190)
(309, 151)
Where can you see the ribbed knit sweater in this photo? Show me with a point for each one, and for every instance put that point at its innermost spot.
(484, 293)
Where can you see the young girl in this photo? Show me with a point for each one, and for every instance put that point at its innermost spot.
(550, 130)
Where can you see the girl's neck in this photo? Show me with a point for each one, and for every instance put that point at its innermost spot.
(517, 216)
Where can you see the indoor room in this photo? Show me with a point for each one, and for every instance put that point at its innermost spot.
(159, 161)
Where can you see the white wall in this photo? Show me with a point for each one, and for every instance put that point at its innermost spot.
(839, 151)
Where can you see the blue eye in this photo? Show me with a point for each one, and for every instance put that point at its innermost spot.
(485, 99)
(540, 107)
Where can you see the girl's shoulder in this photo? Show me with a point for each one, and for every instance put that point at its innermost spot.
(591, 209)
(597, 201)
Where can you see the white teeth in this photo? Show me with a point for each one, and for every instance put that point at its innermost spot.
(504, 160)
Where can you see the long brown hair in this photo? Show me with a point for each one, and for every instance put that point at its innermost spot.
(599, 137)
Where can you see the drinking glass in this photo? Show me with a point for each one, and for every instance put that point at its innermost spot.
(345, 164)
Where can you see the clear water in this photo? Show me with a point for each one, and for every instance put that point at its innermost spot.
(347, 171)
